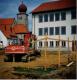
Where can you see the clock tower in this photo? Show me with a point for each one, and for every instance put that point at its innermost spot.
(22, 17)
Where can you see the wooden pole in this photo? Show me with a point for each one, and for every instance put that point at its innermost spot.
(68, 50)
(46, 51)
(29, 61)
(74, 44)
(74, 58)
(68, 43)
(13, 57)
(59, 53)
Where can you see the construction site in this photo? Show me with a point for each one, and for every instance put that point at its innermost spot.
(49, 65)
(48, 50)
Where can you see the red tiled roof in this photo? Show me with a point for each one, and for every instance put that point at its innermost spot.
(8, 31)
(6, 20)
(6, 27)
(56, 5)
(20, 28)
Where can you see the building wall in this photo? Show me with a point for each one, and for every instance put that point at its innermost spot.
(3, 39)
(68, 23)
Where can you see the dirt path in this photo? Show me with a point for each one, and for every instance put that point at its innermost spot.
(49, 60)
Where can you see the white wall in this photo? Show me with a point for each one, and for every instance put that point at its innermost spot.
(22, 19)
(68, 23)
(4, 39)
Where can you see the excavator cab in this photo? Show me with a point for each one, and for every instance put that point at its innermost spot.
(28, 40)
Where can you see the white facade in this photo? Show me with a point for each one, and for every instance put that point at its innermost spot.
(3, 39)
(68, 22)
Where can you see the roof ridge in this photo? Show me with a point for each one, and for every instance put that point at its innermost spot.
(55, 5)
(51, 2)
(7, 18)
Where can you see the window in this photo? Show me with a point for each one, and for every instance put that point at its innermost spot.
(51, 44)
(40, 44)
(73, 29)
(63, 30)
(51, 31)
(63, 43)
(40, 31)
(46, 18)
(73, 14)
(63, 15)
(45, 31)
(57, 30)
(51, 17)
(40, 18)
(57, 43)
(57, 16)
(15, 41)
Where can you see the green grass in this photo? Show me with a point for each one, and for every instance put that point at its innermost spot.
(39, 71)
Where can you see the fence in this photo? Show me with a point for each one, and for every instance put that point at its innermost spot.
(71, 54)
(49, 58)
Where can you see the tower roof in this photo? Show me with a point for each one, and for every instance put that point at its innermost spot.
(22, 7)
(20, 28)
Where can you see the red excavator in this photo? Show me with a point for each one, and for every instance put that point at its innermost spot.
(22, 50)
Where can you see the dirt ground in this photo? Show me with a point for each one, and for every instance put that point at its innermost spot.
(48, 60)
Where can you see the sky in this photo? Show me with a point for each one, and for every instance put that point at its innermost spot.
(9, 8)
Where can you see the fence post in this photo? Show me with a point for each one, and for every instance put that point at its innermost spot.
(13, 57)
(74, 44)
(68, 51)
(46, 51)
(29, 61)
(59, 53)
(74, 49)
(68, 43)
